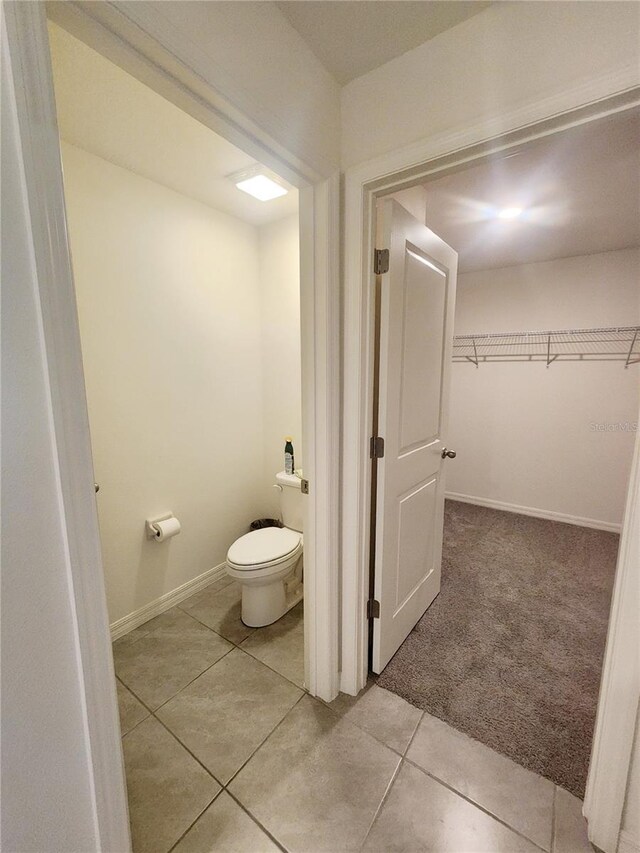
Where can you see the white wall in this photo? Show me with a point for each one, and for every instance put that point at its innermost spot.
(523, 431)
(504, 59)
(190, 326)
(279, 255)
(46, 776)
(169, 307)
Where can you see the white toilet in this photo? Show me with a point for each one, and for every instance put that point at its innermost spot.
(268, 562)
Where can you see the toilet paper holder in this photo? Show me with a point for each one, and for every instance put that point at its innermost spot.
(150, 525)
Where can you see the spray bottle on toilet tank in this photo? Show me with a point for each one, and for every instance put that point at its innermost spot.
(288, 455)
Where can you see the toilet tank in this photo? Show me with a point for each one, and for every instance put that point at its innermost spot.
(290, 500)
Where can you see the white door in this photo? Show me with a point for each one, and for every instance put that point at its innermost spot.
(416, 303)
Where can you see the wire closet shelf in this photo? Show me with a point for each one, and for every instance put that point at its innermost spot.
(615, 343)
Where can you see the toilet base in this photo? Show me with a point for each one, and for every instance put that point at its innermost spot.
(264, 605)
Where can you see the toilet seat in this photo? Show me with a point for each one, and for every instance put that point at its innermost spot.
(264, 548)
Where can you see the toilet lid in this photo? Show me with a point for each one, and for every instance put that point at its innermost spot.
(263, 546)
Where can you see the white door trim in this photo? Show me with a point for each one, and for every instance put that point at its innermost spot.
(29, 51)
(363, 185)
(320, 325)
(620, 684)
(320, 310)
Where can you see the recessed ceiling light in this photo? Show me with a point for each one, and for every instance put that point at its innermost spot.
(259, 186)
(509, 213)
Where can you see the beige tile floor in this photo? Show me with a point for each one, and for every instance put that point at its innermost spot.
(224, 751)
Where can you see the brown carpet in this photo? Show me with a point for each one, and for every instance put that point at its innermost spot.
(511, 650)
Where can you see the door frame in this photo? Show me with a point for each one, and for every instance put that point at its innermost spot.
(364, 184)
(148, 57)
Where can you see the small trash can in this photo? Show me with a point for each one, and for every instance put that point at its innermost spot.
(261, 523)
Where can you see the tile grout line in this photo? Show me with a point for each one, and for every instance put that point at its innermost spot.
(209, 773)
(193, 823)
(195, 757)
(384, 799)
(223, 786)
(256, 821)
(213, 631)
(273, 670)
(206, 669)
(150, 714)
(262, 742)
(240, 644)
(387, 792)
(413, 736)
(473, 803)
(137, 698)
(195, 678)
(368, 731)
(141, 701)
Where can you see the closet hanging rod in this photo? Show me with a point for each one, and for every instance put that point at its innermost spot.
(604, 343)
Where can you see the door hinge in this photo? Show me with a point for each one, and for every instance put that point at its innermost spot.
(376, 447)
(380, 261)
(304, 487)
(373, 609)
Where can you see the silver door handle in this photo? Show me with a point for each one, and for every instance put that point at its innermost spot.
(450, 453)
(96, 487)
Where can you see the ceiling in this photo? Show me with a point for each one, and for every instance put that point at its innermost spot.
(105, 111)
(351, 37)
(579, 191)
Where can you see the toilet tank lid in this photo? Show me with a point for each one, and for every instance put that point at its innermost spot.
(289, 479)
(263, 546)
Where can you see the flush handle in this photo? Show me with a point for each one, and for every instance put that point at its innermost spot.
(450, 453)
(304, 487)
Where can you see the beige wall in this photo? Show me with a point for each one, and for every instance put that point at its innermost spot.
(170, 301)
(523, 431)
(502, 60)
(279, 255)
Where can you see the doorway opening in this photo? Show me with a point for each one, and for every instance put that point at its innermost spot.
(188, 295)
(544, 401)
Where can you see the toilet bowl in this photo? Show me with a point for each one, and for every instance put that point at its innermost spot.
(268, 563)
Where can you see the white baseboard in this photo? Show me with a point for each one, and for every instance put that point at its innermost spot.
(169, 599)
(536, 513)
(627, 843)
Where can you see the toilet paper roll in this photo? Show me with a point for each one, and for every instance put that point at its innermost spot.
(166, 529)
